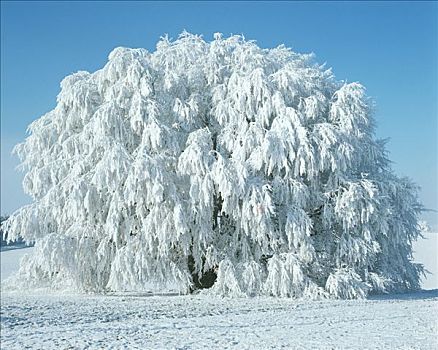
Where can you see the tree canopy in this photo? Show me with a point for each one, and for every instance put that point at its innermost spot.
(253, 166)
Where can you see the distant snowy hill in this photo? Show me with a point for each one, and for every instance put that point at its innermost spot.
(426, 252)
(10, 261)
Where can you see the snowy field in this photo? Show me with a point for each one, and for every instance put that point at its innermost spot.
(406, 321)
(169, 322)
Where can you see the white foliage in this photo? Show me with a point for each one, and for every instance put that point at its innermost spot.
(252, 163)
(346, 284)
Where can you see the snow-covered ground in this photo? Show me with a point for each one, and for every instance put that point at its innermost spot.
(195, 322)
(406, 321)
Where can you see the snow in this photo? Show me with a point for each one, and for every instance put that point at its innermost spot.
(426, 252)
(197, 322)
(10, 260)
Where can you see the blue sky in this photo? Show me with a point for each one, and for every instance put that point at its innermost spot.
(390, 47)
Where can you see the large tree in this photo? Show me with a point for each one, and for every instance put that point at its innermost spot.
(222, 162)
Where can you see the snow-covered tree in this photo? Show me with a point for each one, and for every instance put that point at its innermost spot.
(251, 171)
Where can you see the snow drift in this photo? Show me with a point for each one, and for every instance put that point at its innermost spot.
(251, 171)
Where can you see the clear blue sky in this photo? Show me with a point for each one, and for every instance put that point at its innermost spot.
(389, 47)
